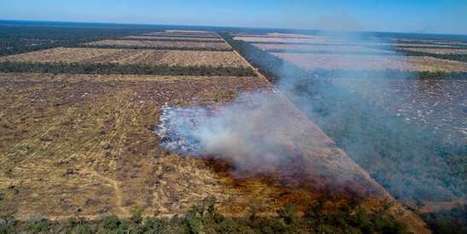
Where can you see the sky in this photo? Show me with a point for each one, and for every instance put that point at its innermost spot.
(421, 16)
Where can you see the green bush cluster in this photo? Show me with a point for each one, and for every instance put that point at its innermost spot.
(112, 68)
(204, 218)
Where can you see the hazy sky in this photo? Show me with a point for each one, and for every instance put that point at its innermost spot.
(440, 16)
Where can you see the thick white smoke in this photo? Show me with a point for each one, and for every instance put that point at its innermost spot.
(251, 132)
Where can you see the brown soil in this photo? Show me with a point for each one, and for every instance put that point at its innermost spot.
(131, 56)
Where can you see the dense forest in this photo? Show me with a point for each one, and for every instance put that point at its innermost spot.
(17, 38)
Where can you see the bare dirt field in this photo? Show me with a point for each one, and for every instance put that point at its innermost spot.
(177, 33)
(439, 105)
(155, 38)
(97, 133)
(131, 56)
(162, 44)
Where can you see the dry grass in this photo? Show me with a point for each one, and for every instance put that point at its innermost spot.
(131, 56)
(162, 44)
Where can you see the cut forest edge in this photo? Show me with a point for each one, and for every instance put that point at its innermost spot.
(111, 68)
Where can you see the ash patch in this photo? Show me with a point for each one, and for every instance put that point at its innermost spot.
(177, 127)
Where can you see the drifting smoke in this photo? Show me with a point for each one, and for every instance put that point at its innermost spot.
(253, 132)
(347, 100)
(250, 132)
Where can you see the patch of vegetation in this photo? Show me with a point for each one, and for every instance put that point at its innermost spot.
(204, 218)
(112, 68)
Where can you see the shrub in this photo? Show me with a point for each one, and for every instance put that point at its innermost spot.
(38, 226)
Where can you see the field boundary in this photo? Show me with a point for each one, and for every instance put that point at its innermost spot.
(114, 68)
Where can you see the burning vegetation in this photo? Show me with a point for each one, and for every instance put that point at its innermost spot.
(194, 140)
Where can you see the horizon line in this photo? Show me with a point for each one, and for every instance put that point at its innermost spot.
(222, 26)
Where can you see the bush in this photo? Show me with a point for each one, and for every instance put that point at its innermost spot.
(38, 226)
(7, 225)
(114, 224)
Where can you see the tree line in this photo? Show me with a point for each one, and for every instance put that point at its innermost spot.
(204, 218)
(113, 68)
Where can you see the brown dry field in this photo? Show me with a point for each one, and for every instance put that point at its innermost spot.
(163, 44)
(174, 38)
(131, 56)
(371, 62)
(84, 145)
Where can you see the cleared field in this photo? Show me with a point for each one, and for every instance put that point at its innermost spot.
(199, 34)
(131, 56)
(96, 132)
(161, 44)
(438, 105)
(156, 38)
(371, 62)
